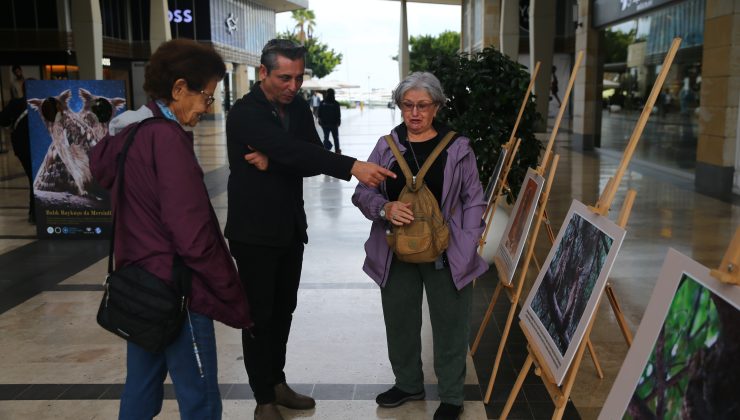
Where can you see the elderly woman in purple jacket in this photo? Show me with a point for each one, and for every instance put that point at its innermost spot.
(165, 210)
(453, 179)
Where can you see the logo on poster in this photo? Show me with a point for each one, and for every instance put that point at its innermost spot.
(50, 230)
(57, 230)
(98, 230)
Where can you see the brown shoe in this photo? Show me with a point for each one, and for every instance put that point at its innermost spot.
(267, 412)
(290, 399)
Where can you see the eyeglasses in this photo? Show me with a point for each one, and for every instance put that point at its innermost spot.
(209, 98)
(420, 106)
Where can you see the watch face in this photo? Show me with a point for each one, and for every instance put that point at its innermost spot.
(382, 212)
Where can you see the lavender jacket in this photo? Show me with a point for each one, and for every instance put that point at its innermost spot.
(462, 206)
(166, 210)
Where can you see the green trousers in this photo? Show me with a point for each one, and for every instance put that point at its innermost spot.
(449, 310)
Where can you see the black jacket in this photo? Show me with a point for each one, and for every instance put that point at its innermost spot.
(329, 114)
(266, 207)
(15, 117)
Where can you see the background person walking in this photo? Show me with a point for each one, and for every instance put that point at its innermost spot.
(330, 118)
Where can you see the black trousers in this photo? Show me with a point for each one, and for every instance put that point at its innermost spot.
(335, 133)
(271, 276)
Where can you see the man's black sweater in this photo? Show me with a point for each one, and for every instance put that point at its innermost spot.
(266, 207)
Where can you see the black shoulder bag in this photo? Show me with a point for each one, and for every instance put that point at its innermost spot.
(137, 305)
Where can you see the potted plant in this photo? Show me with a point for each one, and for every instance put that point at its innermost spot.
(485, 92)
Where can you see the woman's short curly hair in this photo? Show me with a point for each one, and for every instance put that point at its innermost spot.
(185, 59)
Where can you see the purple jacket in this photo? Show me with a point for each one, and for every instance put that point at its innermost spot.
(166, 210)
(462, 206)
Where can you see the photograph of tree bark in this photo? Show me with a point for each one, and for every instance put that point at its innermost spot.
(567, 285)
(693, 371)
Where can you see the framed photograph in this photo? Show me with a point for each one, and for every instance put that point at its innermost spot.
(515, 234)
(685, 359)
(494, 180)
(563, 299)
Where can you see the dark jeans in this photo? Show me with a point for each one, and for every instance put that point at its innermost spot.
(270, 276)
(335, 133)
(197, 396)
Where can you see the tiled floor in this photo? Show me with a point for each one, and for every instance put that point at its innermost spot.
(57, 363)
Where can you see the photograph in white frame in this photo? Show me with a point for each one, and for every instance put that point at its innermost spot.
(684, 351)
(563, 299)
(512, 242)
(494, 180)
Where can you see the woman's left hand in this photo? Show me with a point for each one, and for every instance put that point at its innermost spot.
(258, 159)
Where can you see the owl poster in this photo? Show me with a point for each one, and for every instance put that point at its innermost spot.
(66, 118)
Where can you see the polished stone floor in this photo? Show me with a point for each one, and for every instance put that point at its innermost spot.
(57, 363)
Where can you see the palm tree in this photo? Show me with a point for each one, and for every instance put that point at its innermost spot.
(305, 23)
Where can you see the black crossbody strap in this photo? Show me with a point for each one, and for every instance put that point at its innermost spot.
(179, 270)
(433, 156)
(401, 161)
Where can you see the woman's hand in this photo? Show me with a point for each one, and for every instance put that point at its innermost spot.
(258, 159)
(399, 213)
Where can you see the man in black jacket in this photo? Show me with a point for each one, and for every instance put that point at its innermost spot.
(272, 144)
(15, 116)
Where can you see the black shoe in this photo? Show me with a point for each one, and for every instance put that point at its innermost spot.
(395, 397)
(286, 397)
(448, 412)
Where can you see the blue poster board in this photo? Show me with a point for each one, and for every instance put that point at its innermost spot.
(66, 118)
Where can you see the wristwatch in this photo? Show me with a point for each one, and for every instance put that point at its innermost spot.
(382, 212)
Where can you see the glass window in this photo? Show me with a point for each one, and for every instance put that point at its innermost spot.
(48, 18)
(25, 14)
(633, 55)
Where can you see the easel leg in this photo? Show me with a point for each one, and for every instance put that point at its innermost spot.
(597, 365)
(517, 387)
(486, 318)
(501, 346)
(619, 314)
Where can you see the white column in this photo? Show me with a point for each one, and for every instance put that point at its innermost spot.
(510, 28)
(542, 47)
(159, 24)
(87, 27)
(403, 45)
(241, 80)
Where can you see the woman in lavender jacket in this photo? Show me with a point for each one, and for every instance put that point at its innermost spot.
(453, 179)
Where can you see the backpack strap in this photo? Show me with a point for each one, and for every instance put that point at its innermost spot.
(401, 161)
(433, 156)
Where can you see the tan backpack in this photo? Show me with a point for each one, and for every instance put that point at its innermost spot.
(427, 237)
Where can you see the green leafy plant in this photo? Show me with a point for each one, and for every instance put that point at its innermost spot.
(485, 91)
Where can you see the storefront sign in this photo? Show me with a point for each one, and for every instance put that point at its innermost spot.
(180, 16)
(607, 12)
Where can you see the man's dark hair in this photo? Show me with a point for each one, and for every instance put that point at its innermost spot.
(185, 59)
(16, 67)
(283, 47)
(330, 95)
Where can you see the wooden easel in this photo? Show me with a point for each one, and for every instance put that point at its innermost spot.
(561, 393)
(512, 146)
(729, 269)
(515, 294)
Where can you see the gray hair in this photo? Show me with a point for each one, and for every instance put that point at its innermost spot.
(422, 81)
(284, 47)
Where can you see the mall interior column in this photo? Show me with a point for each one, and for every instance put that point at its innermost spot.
(718, 120)
(87, 26)
(159, 24)
(585, 100)
(241, 80)
(403, 44)
(542, 47)
(491, 23)
(510, 28)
